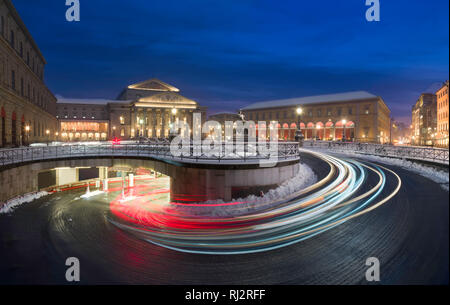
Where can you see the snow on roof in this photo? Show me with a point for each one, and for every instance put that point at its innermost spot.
(224, 113)
(87, 101)
(328, 98)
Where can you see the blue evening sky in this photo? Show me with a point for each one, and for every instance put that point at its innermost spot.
(226, 54)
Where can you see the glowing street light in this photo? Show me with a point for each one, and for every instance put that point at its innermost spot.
(27, 129)
(172, 125)
(298, 134)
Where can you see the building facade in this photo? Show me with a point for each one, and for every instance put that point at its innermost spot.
(360, 116)
(442, 116)
(146, 109)
(401, 133)
(424, 120)
(27, 106)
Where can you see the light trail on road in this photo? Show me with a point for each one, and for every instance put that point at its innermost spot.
(330, 202)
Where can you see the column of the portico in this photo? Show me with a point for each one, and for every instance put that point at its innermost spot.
(163, 123)
(167, 121)
(157, 122)
(144, 123)
(137, 127)
(154, 123)
(135, 123)
(132, 121)
(150, 123)
(141, 126)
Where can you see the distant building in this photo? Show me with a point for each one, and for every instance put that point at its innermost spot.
(362, 116)
(27, 107)
(401, 133)
(223, 117)
(145, 109)
(424, 120)
(442, 116)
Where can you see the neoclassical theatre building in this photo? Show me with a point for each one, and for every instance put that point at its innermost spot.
(362, 116)
(27, 107)
(144, 109)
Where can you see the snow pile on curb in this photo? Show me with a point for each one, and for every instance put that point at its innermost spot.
(11, 204)
(91, 194)
(439, 176)
(252, 203)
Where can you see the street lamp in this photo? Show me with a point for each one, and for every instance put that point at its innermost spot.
(141, 127)
(298, 134)
(344, 122)
(47, 132)
(172, 127)
(27, 129)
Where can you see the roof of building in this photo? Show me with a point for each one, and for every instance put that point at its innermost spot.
(87, 101)
(225, 113)
(444, 84)
(153, 84)
(328, 98)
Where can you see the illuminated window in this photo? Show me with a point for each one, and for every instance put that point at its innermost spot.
(122, 120)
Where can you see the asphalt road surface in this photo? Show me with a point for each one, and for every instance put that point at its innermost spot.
(409, 235)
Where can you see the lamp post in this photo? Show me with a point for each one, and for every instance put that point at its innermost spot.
(141, 127)
(172, 124)
(298, 134)
(27, 129)
(47, 132)
(344, 122)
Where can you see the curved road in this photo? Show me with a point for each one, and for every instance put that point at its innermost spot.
(409, 235)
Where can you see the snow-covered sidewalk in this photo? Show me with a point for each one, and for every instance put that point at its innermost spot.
(11, 204)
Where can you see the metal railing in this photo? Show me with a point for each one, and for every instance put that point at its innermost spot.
(235, 154)
(429, 154)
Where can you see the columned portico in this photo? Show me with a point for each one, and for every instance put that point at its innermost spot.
(144, 109)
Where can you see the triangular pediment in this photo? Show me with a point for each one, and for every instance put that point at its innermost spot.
(153, 84)
(166, 100)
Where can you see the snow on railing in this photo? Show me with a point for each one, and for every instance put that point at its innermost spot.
(430, 154)
(247, 152)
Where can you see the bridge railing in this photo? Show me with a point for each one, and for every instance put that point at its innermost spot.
(194, 153)
(429, 154)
